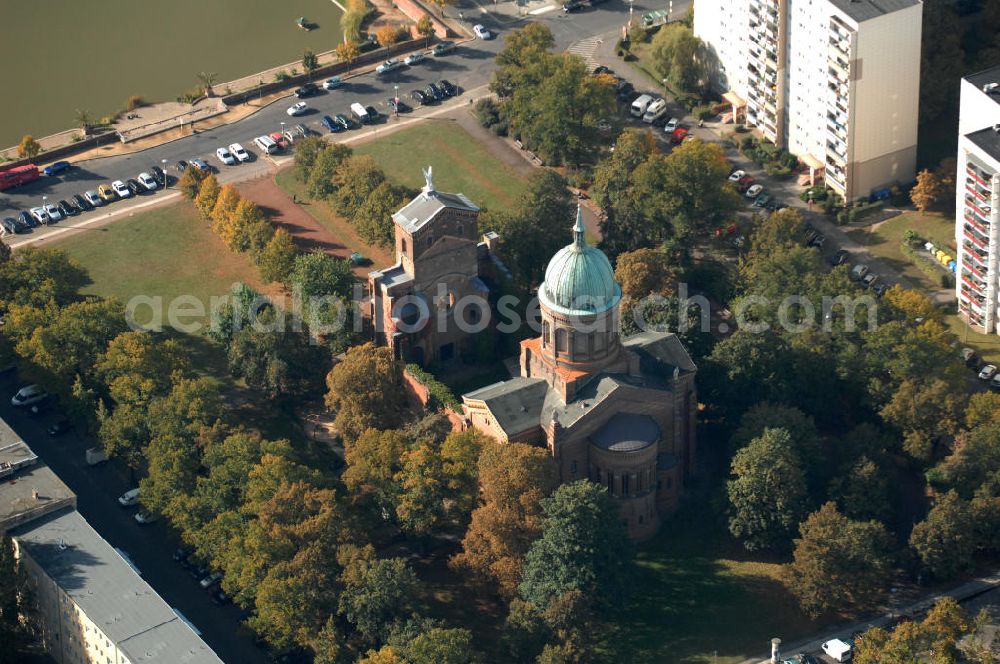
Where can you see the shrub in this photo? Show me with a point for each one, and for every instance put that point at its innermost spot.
(134, 102)
(500, 128)
(703, 112)
(747, 143)
(441, 394)
(859, 212)
(947, 280)
(581, 178)
(487, 112)
(281, 76)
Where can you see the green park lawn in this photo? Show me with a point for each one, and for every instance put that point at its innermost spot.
(702, 599)
(885, 241)
(461, 163)
(166, 252)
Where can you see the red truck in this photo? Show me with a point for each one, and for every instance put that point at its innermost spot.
(11, 177)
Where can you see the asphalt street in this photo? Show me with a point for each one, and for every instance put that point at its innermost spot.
(469, 67)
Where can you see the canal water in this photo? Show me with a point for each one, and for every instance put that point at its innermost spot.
(64, 55)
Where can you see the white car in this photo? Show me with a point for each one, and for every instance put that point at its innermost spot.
(413, 58)
(94, 198)
(148, 181)
(121, 189)
(238, 152)
(481, 31)
(388, 66)
(28, 395)
(225, 157)
(754, 191)
(297, 108)
(838, 650)
(129, 498)
(671, 125)
(987, 372)
(736, 176)
(143, 518)
(40, 215)
(55, 214)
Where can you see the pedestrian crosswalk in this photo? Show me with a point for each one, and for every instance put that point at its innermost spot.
(585, 48)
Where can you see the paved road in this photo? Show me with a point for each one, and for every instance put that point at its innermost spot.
(469, 67)
(150, 547)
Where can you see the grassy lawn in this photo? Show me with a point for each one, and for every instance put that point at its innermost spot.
(885, 241)
(166, 252)
(461, 163)
(703, 600)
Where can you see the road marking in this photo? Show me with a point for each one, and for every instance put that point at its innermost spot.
(585, 48)
(542, 10)
(342, 7)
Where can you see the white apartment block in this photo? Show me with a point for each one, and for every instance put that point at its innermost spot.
(977, 204)
(836, 82)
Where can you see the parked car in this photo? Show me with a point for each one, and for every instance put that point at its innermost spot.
(995, 382)
(134, 187)
(859, 271)
(181, 166)
(671, 125)
(129, 498)
(869, 279)
(753, 191)
(307, 90)
(448, 88)
(201, 165)
(434, 91)
(421, 98)
(818, 240)
(241, 155)
(82, 203)
(987, 372)
(148, 181)
(55, 214)
(95, 198)
(146, 518)
(225, 156)
(121, 189)
(9, 225)
(301, 130)
(443, 48)
(481, 31)
(297, 109)
(39, 215)
(572, 6)
(390, 65)
(969, 357)
(332, 83)
(27, 219)
(27, 395)
(57, 168)
(839, 258)
(158, 173)
(220, 598)
(211, 580)
(373, 114)
(840, 651)
(330, 124)
(60, 426)
(343, 121)
(413, 58)
(181, 554)
(763, 200)
(879, 289)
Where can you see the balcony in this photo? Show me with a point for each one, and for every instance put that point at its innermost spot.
(979, 244)
(981, 176)
(972, 282)
(973, 302)
(974, 191)
(975, 259)
(974, 217)
(977, 226)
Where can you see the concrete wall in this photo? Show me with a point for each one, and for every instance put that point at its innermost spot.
(415, 11)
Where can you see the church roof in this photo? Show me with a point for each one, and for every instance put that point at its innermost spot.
(516, 404)
(627, 432)
(579, 279)
(660, 353)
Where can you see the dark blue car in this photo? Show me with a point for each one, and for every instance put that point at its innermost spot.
(57, 168)
(331, 125)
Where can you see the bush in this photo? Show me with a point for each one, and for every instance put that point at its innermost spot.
(703, 112)
(134, 102)
(441, 394)
(500, 128)
(487, 112)
(859, 212)
(580, 178)
(747, 143)
(947, 280)
(281, 76)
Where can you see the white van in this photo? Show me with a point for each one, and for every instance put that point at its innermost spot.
(266, 145)
(838, 650)
(360, 113)
(655, 111)
(639, 105)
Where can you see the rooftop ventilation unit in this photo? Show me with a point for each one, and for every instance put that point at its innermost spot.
(990, 88)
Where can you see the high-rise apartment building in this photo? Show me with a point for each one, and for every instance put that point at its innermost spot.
(836, 82)
(977, 204)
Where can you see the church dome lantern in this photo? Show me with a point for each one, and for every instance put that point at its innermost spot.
(579, 280)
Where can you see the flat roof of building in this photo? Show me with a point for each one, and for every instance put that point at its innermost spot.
(865, 10)
(109, 591)
(985, 77)
(987, 140)
(29, 491)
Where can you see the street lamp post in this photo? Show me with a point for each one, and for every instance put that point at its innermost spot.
(630, 10)
(164, 162)
(665, 93)
(44, 211)
(282, 128)
(396, 98)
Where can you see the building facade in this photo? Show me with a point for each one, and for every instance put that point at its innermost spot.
(617, 411)
(836, 82)
(977, 201)
(438, 281)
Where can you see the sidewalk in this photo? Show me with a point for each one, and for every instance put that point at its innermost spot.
(960, 593)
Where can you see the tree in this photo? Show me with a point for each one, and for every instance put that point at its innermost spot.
(983, 408)
(208, 194)
(318, 275)
(310, 63)
(927, 191)
(277, 260)
(945, 173)
(36, 277)
(681, 57)
(582, 547)
(84, 120)
(420, 509)
(926, 411)
(840, 565)
(207, 80)
(387, 35)
(279, 360)
(348, 51)
(364, 389)
(241, 233)
(767, 495)
(514, 478)
(225, 205)
(442, 646)
(190, 182)
(521, 47)
(28, 148)
(374, 460)
(425, 28)
(863, 491)
(5, 252)
(306, 151)
(384, 655)
(613, 174)
(945, 540)
(354, 179)
(15, 601)
(643, 272)
(320, 181)
(373, 220)
(375, 591)
(975, 459)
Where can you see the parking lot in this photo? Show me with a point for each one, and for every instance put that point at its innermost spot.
(150, 547)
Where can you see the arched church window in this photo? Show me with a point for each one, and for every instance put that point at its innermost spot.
(546, 331)
(402, 245)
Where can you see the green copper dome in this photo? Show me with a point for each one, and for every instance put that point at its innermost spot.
(579, 279)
